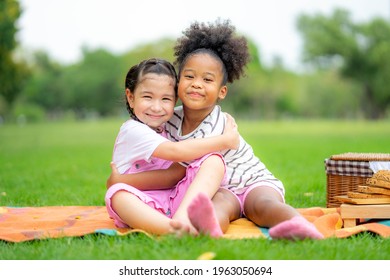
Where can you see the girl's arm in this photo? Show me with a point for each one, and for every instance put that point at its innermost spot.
(148, 180)
(191, 149)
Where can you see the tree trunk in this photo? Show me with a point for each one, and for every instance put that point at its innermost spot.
(369, 107)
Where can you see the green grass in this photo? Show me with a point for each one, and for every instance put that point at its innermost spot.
(68, 163)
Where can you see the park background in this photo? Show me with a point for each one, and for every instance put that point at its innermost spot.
(68, 60)
(60, 112)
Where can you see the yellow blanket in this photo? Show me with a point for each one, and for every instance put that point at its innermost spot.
(28, 223)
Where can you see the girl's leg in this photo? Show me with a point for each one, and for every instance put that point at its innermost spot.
(227, 208)
(207, 180)
(136, 214)
(213, 217)
(265, 207)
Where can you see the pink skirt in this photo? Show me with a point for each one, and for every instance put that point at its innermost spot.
(164, 201)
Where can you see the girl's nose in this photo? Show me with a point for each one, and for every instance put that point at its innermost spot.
(156, 106)
(196, 84)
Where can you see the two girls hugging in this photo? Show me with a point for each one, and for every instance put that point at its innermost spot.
(186, 169)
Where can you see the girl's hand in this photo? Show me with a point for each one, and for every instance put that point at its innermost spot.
(114, 176)
(231, 133)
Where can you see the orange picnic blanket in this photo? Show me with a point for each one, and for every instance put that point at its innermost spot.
(18, 224)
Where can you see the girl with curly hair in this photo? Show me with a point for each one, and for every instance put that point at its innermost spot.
(208, 56)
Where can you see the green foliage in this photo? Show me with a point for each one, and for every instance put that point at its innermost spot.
(12, 72)
(92, 85)
(43, 87)
(329, 95)
(25, 112)
(162, 48)
(9, 13)
(359, 50)
(263, 93)
(351, 62)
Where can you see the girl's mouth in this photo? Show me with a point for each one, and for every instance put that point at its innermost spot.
(195, 94)
(156, 117)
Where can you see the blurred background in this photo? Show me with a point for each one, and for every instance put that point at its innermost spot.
(67, 59)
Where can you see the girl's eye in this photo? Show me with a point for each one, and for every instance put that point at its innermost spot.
(188, 76)
(208, 80)
(146, 97)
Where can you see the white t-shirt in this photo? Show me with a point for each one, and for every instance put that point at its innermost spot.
(242, 165)
(135, 144)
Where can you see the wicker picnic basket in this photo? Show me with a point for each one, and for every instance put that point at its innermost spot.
(345, 172)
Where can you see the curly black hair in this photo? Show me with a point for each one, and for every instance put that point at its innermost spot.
(217, 39)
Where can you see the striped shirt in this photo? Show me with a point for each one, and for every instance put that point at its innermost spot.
(242, 166)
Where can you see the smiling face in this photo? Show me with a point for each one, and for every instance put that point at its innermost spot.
(153, 99)
(200, 83)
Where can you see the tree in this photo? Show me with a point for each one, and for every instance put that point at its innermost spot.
(12, 73)
(263, 92)
(359, 51)
(92, 85)
(43, 86)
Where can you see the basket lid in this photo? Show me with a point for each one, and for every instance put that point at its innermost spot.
(362, 157)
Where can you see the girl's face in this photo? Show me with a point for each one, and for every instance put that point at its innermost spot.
(153, 100)
(200, 84)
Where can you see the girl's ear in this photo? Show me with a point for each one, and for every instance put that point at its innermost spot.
(222, 92)
(130, 98)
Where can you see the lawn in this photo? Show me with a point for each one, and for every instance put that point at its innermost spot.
(67, 163)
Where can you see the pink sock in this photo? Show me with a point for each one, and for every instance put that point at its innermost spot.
(202, 216)
(295, 228)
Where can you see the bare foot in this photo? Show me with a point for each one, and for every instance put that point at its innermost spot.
(202, 216)
(295, 228)
(179, 229)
